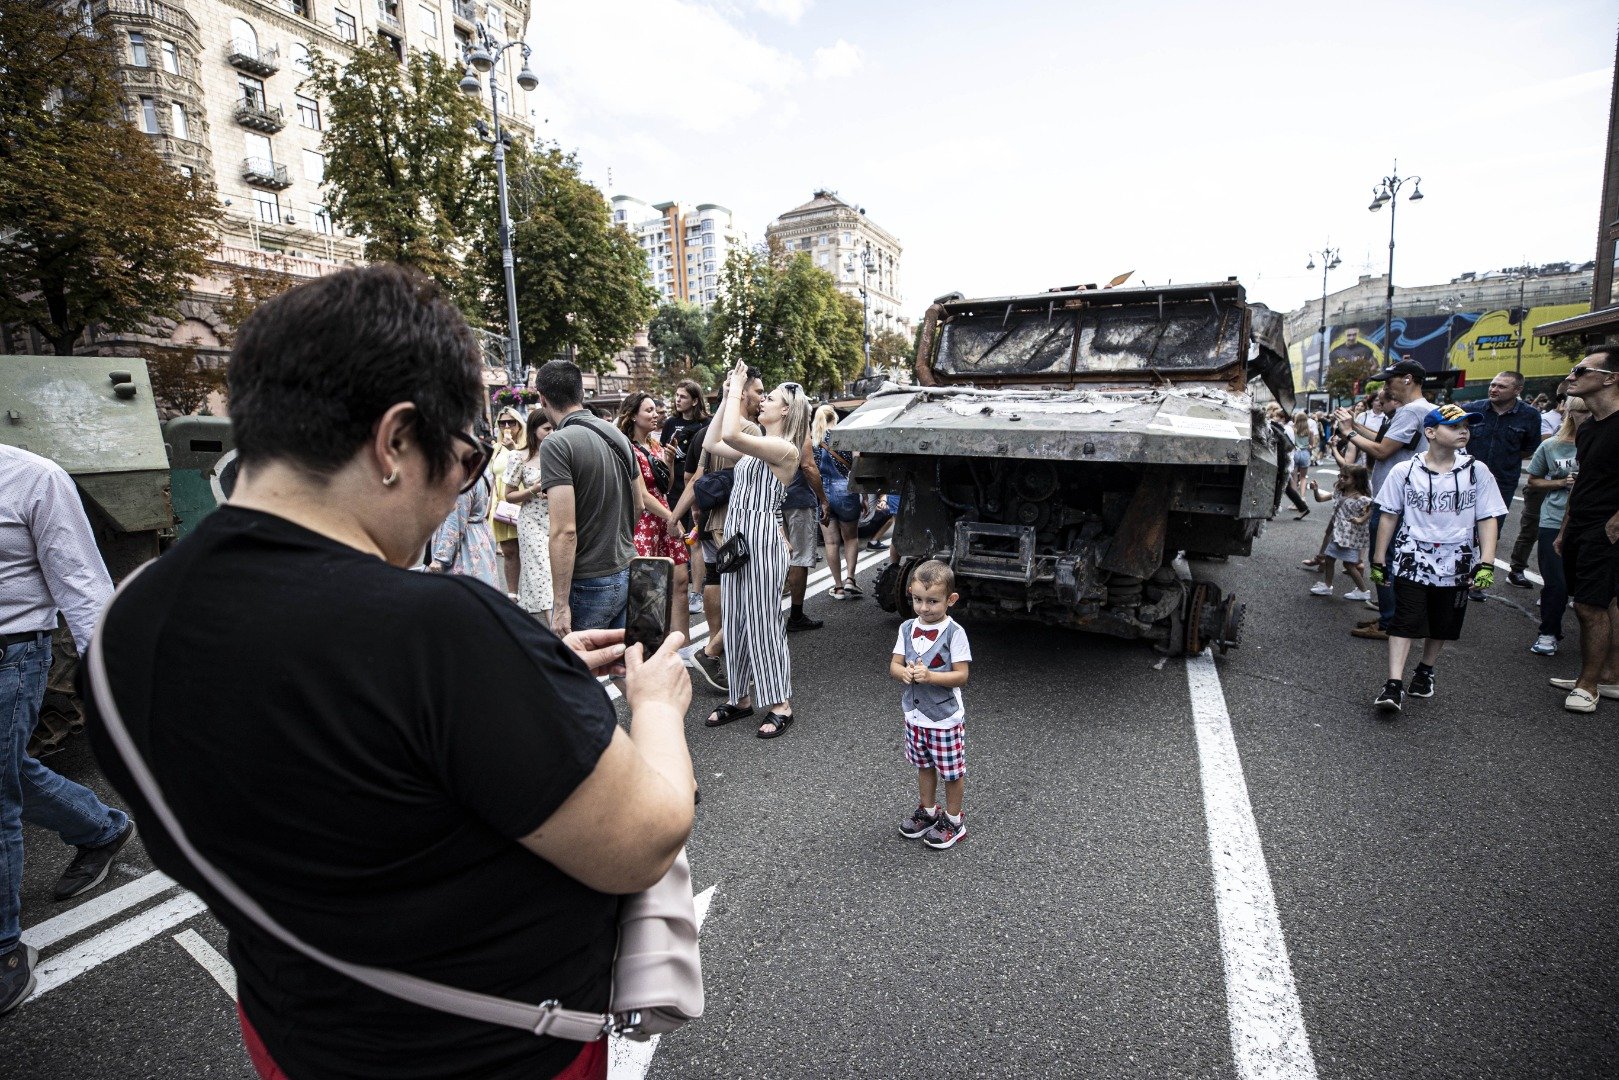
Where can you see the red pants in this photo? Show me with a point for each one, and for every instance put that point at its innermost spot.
(590, 1064)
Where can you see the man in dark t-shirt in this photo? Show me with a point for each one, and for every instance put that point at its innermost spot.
(1590, 532)
(424, 790)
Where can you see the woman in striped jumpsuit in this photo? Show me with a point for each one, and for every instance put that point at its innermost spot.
(755, 636)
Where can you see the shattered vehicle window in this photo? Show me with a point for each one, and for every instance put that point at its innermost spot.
(1186, 336)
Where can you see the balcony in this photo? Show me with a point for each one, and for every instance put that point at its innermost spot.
(388, 16)
(265, 173)
(145, 10)
(252, 111)
(248, 57)
(466, 13)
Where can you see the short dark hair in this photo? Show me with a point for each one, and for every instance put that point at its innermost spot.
(935, 572)
(561, 383)
(1601, 350)
(1516, 377)
(313, 370)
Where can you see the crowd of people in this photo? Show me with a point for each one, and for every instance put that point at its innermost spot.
(1421, 497)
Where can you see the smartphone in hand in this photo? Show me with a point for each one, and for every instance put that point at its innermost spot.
(646, 621)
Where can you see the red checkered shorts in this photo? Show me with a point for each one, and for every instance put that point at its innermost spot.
(943, 749)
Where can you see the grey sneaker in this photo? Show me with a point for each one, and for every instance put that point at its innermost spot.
(920, 821)
(89, 867)
(712, 669)
(945, 833)
(16, 975)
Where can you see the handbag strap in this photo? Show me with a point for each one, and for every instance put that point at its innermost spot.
(546, 1018)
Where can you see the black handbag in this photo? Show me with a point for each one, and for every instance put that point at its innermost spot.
(733, 555)
(661, 476)
(713, 489)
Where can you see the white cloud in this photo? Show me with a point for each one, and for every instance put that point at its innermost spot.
(790, 10)
(837, 61)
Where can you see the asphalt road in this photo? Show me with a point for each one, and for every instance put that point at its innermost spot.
(1444, 882)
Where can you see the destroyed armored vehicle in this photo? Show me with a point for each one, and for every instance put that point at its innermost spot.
(1064, 449)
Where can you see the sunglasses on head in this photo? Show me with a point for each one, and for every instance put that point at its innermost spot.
(475, 459)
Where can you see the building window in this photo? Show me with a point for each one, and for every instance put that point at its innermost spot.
(463, 42)
(322, 218)
(300, 57)
(149, 116)
(308, 112)
(344, 23)
(314, 166)
(393, 44)
(301, 8)
(429, 20)
(187, 172)
(171, 58)
(177, 121)
(497, 21)
(250, 91)
(804, 244)
(137, 50)
(268, 204)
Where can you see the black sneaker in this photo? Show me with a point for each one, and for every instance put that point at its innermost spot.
(803, 622)
(89, 867)
(712, 669)
(1515, 577)
(1392, 696)
(920, 821)
(1421, 682)
(16, 975)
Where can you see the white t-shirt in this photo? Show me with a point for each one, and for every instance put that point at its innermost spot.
(1439, 515)
(960, 653)
(1404, 426)
(1550, 421)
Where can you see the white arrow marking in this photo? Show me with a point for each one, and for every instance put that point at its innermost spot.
(628, 1059)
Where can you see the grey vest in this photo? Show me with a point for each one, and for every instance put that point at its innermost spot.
(934, 702)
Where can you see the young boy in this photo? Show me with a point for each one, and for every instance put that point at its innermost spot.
(930, 657)
(1448, 509)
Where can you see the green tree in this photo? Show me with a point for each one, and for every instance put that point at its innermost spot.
(404, 168)
(678, 331)
(1345, 374)
(786, 317)
(94, 227)
(581, 280)
(892, 349)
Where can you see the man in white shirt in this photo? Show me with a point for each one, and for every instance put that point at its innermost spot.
(48, 563)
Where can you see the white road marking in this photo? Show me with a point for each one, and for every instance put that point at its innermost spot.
(208, 956)
(67, 966)
(91, 912)
(628, 1059)
(1268, 1040)
(1530, 574)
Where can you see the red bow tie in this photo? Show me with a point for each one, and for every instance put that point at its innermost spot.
(931, 635)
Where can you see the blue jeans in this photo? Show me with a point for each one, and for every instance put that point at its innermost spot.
(599, 603)
(1385, 593)
(28, 790)
(1553, 594)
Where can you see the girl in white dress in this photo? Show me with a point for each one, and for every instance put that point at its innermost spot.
(533, 521)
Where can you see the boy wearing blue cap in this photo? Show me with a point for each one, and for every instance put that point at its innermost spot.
(1441, 513)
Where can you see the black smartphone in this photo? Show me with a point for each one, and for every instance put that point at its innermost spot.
(652, 582)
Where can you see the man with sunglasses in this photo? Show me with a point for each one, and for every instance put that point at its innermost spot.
(1589, 538)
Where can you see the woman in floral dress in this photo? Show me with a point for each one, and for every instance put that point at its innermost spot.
(657, 532)
(533, 520)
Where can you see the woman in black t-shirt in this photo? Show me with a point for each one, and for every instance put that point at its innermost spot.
(322, 722)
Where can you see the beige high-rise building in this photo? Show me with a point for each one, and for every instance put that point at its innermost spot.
(217, 84)
(855, 250)
(686, 246)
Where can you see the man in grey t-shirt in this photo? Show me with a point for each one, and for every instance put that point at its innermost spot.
(1403, 438)
(594, 487)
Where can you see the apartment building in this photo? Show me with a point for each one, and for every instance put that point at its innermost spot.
(686, 246)
(855, 250)
(218, 86)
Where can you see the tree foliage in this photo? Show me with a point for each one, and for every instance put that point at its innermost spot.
(403, 164)
(94, 227)
(182, 378)
(678, 331)
(892, 350)
(580, 280)
(786, 317)
(1344, 374)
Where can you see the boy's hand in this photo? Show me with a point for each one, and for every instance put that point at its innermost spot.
(1380, 574)
(920, 674)
(1484, 577)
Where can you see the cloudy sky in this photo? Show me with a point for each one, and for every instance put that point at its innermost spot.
(1024, 144)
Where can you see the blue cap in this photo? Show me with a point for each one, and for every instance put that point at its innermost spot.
(1447, 415)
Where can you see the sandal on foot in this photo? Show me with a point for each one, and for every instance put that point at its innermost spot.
(851, 588)
(724, 714)
(782, 723)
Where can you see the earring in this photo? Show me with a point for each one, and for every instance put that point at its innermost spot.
(391, 479)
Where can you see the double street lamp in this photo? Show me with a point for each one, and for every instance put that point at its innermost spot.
(482, 58)
(1387, 193)
(868, 265)
(1329, 261)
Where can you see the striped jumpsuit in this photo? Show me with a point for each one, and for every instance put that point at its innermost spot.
(755, 635)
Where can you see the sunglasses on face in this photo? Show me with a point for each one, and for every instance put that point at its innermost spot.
(1581, 369)
(475, 459)
(510, 423)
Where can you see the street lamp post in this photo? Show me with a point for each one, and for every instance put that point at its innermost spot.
(867, 265)
(1329, 261)
(482, 58)
(1524, 273)
(1387, 192)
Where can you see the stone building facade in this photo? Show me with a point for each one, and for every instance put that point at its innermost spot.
(218, 87)
(840, 239)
